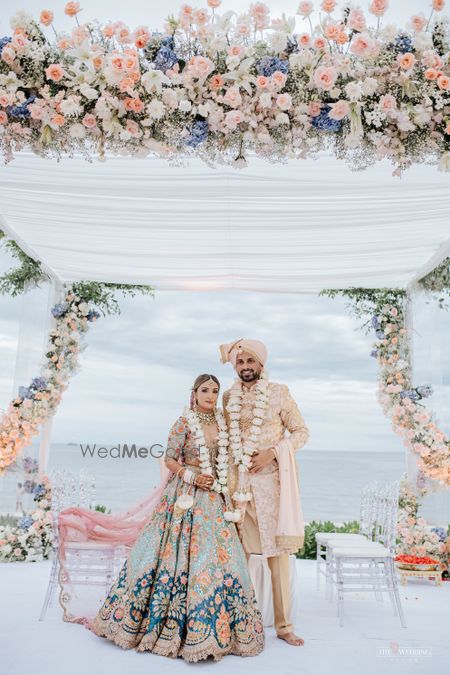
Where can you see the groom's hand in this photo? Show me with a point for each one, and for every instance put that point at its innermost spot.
(261, 459)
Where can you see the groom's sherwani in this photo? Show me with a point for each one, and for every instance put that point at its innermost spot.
(259, 526)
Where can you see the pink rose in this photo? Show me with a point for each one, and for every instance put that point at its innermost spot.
(54, 72)
(378, 7)
(305, 8)
(339, 110)
(319, 43)
(284, 101)
(304, 40)
(362, 45)
(431, 74)
(418, 22)
(328, 6)
(325, 77)
(236, 50)
(262, 81)
(200, 67)
(72, 8)
(278, 79)
(443, 82)
(3, 117)
(214, 3)
(233, 118)
(46, 17)
(406, 61)
(388, 102)
(438, 5)
(314, 108)
(233, 97)
(89, 121)
(356, 20)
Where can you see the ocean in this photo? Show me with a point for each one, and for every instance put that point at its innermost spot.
(330, 481)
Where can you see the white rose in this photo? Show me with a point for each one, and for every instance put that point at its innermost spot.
(185, 105)
(265, 100)
(156, 109)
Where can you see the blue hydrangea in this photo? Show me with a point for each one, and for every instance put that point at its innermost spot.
(59, 310)
(39, 383)
(168, 41)
(403, 44)
(380, 335)
(375, 321)
(268, 65)
(411, 394)
(4, 41)
(199, 133)
(25, 522)
(165, 58)
(323, 121)
(25, 392)
(91, 315)
(20, 112)
(374, 353)
(39, 490)
(441, 533)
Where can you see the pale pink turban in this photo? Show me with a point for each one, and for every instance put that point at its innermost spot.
(229, 352)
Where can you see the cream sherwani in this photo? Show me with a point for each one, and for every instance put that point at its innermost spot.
(258, 530)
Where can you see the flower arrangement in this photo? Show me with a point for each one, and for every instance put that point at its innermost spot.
(221, 86)
(30, 538)
(400, 400)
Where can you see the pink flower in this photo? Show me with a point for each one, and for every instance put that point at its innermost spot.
(362, 45)
(200, 17)
(325, 77)
(233, 97)
(406, 61)
(72, 8)
(214, 3)
(378, 7)
(64, 43)
(46, 17)
(3, 117)
(431, 59)
(58, 120)
(284, 101)
(262, 81)
(438, 5)
(431, 74)
(200, 67)
(356, 20)
(319, 43)
(418, 22)
(278, 79)
(314, 108)
(233, 118)
(216, 81)
(304, 40)
(339, 110)
(305, 8)
(236, 50)
(332, 31)
(443, 82)
(89, 121)
(54, 72)
(141, 37)
(328, 6)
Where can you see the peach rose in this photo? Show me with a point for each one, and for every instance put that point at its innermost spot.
(339, 110)
(443, 82)
(387, 102)
(59, 120)
(108, 31)
(332, 31)
(54, 72)
(64, 43)
(3, 117)
(328, 6)
(447, 128)
(418, 22)
(305, 8)
(356, 20)
(431, 74)
(319, 43)
(278, 79)
(89, 121)
(362, 45)
(236, 50)
(262, 81)
(46, 17)
(98, 62)
(325, 77)
(233, 97)
(72, 8)
(200, 66)
(304, 40)
(378, 7)
(216, 82)
(284, 101)
(438, 5)
(5, 100)
(200, 17)
(406, 61)
(214, 4)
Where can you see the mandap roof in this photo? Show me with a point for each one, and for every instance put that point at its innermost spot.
(296, 227)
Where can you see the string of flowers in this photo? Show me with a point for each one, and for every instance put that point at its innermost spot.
(38, 401)
(400, 400)
(221, 466)
(243, 451)
(222, 86)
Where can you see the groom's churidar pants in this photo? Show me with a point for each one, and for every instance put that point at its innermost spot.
(279, 570)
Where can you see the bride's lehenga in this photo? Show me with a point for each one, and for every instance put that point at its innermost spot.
(184, 589)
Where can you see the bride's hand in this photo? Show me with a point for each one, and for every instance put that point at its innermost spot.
(204, 481)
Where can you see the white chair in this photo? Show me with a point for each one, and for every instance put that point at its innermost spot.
(86, 563)
(366, 531)
(355, 567)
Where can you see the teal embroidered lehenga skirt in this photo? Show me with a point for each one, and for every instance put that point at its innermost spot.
(184, 589)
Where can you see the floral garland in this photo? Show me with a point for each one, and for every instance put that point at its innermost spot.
(221, 483)
(31, 538)
(243, 451)
(223, 86)
(416, 538)
(400, 400)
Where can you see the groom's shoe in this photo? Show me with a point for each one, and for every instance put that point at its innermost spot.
(292, 639)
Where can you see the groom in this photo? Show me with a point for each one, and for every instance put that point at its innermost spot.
(258, 413)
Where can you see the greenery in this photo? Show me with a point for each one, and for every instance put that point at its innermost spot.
(29, 274)
(19, 279)
(438, 281)
(101, 508)
(8, 520)
(363, 302)
(309, 549)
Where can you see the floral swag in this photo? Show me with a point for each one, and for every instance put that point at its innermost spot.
(224, 86)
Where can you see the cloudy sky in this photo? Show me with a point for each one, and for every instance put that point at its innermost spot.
(136, 372)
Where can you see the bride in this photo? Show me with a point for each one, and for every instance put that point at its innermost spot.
(184, 589)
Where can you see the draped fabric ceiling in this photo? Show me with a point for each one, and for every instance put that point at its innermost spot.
(296, 227)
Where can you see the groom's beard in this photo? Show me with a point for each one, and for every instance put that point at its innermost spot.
(249, 375)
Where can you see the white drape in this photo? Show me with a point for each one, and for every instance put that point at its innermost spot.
(298, 227)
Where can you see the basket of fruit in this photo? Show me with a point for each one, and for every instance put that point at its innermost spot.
(415, 562)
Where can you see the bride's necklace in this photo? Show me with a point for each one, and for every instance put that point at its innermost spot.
(206, 417)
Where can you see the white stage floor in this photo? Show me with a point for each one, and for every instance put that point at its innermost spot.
(371, 642)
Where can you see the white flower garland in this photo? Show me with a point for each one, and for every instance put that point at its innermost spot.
(243, 451)
(220, 484)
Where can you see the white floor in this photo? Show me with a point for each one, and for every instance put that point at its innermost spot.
(371, 642)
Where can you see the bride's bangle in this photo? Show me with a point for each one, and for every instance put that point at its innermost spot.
(188, 476)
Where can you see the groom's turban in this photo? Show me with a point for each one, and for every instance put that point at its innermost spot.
(229, 352)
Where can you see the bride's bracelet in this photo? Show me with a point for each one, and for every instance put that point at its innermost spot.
(188, 477)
